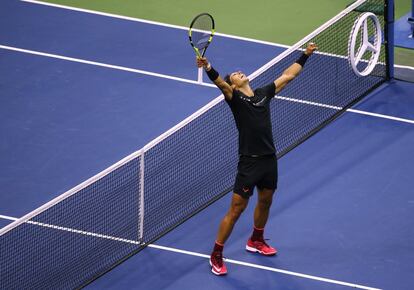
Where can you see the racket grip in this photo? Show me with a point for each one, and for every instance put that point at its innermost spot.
(200, 75)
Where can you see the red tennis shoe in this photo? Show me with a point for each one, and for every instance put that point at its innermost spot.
(260, 246)
(217, 265)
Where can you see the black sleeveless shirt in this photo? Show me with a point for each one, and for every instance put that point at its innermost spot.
(252, 116)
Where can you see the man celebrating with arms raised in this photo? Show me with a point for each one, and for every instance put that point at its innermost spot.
(258, 163)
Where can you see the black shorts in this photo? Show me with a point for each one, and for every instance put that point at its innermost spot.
(258, 171)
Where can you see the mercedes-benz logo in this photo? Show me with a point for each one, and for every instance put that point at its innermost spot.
(370, 43)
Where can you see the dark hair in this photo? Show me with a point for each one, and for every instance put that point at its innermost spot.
(227, 79)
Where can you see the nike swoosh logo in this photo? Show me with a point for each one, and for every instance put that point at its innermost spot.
(215, 267)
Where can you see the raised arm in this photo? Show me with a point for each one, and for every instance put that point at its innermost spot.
(225, 88)
(293, 71)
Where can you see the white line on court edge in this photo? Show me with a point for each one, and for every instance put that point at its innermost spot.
(381, 116)
(117, 67)
(150, 22)
(194, 82)
(348, 110)
(241, 263)
(404, 66)
(251, 265)
(135, 19)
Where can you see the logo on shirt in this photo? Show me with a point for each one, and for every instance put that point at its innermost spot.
(254, 100)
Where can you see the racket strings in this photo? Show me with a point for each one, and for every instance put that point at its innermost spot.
(201, 31)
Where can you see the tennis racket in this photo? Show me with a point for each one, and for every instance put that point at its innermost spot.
(201, 34)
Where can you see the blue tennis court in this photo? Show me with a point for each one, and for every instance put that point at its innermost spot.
(81, 91)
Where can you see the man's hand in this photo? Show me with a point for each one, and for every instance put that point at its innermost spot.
(214, 76)
(311, 48)
(203, 62)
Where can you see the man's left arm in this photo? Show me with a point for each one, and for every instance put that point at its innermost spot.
(294, 70)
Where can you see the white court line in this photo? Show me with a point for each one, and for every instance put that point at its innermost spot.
(190, 253)
(266, 268)
(194, 82)
(135, 19)
(150, 22)
(117, 67)
(404, 66)
(348, 110)
(172, 77)
(381, 116)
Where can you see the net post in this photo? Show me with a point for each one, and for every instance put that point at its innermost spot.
(141, 196)
(200, 75)
(389, 37)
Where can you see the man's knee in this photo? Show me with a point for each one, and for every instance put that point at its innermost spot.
(264, 204)
(265, 198)
(237, 209)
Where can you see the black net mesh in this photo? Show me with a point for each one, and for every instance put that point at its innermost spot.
(90, 232)
(200, 158)
(326, 86)
(78, 238)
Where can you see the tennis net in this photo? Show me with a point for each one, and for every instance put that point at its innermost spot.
(85, 232)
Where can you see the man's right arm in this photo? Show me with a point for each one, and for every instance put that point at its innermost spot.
(224, 87)
(294, 70)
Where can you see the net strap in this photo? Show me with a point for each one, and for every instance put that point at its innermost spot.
(141, 195)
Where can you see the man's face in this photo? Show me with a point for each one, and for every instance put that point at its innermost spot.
(238, 79)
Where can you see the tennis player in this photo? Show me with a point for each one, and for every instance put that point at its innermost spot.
(257, 165)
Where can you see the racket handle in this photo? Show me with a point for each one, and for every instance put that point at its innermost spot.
(200, 75)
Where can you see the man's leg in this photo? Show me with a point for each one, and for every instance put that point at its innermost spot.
(257, 243)
(238, 205)
(261, 212)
